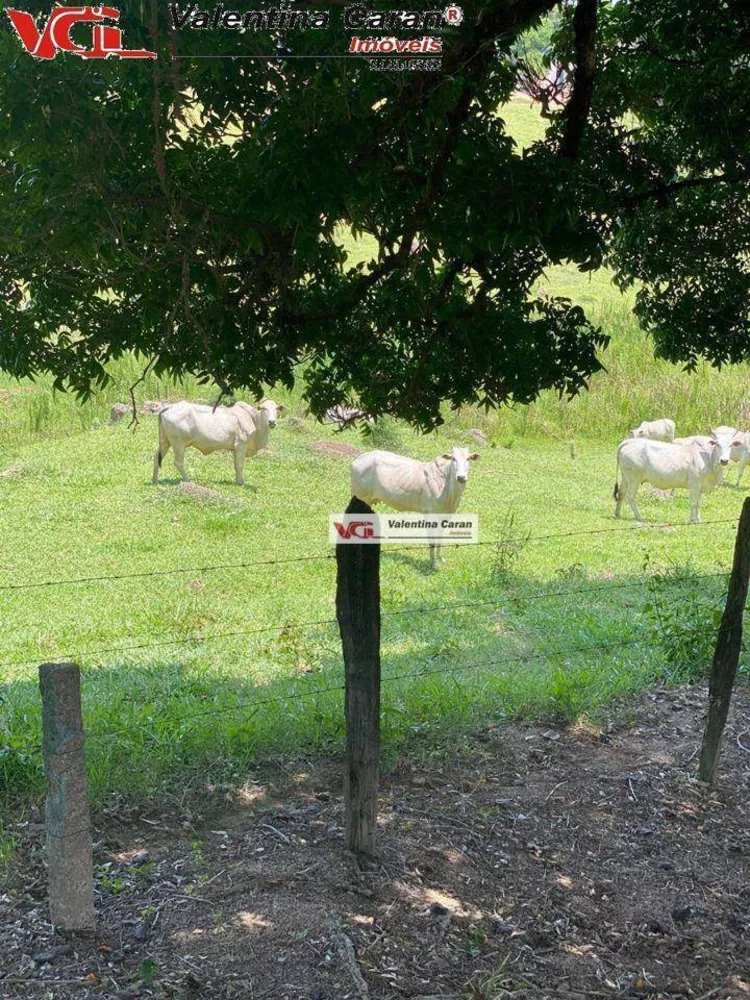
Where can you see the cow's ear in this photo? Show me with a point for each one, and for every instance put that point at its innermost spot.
(281, 408)
(736, 444)
(474, 457)
(447, 455)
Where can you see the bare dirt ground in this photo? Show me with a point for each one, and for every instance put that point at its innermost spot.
(339, 449)
(522, 862)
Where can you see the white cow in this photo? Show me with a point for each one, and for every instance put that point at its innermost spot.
(655, 430)
(242, 429)
(722, 431)
(693, 465)
(693, 439)
(740, 452)
(434, 487)
(704, 439)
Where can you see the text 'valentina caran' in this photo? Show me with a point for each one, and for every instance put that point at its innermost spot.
(356, 18)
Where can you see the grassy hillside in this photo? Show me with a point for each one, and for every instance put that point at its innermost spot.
(169, 657)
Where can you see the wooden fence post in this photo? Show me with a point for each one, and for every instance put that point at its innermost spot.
(69, 849)
(727, 654)
(358, 613)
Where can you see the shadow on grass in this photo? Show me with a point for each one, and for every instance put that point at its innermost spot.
(417, 563)
(501, 649)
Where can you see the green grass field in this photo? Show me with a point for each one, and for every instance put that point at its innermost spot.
(171, 698)
(154, 650)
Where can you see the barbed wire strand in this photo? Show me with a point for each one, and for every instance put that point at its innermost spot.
(522, 540)
(408, 675)
(141, 574)
(303, 626)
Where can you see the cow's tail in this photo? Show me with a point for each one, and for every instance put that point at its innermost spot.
(161, 451)
(616, 492)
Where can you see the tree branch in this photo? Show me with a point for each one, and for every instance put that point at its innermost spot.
(662, 191)
(649, 50)
(498, 21)
(472, 57)
(577, 108)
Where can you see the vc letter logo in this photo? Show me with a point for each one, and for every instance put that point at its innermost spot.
(355, 529)
(55, 37)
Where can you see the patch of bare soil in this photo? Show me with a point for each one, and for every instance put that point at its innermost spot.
(6, 395)
(522, 862)
(11, 471)
(201, 494)
(338, 448)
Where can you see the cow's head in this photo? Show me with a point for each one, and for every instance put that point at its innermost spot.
(272, 410)
(721, 442)
(459, 459)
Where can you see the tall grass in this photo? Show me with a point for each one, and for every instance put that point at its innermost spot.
(33, 411)
(634, 386)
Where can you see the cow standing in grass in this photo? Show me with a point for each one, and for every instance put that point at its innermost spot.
(242, 429)
(655, 430)
(405, 484)
(692, 465)
(740, 452)
(735, 454)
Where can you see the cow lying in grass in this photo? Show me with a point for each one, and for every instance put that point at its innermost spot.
(696, 465)
(405, 484)
(242, 429)
(655, 430)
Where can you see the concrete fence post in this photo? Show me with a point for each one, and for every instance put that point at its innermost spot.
(69, 848)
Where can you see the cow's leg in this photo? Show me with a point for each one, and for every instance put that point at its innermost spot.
(633, 505)
(618, 502)
(161, 451)
(743, 463)
(179, 461)
(695, 503)
(239, 463)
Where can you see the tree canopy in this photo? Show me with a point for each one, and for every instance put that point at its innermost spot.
(192, 209)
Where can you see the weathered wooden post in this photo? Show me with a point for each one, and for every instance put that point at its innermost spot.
(69, 849)
(358, 613)
(727, 654)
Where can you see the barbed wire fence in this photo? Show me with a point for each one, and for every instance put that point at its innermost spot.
(366, 632)
(99, 653)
